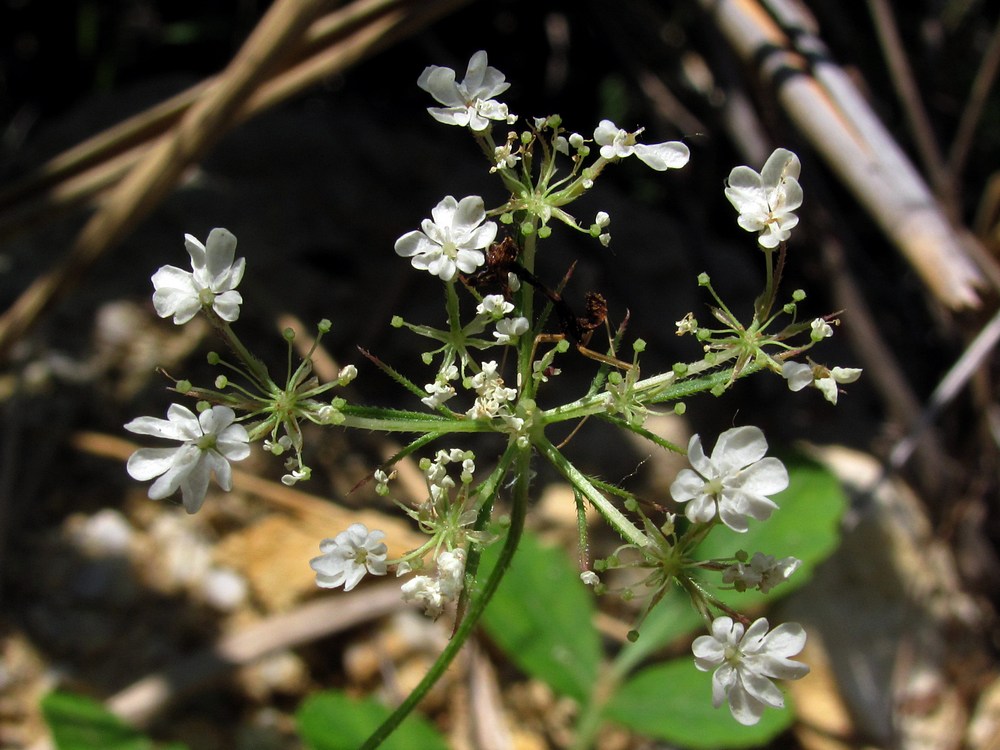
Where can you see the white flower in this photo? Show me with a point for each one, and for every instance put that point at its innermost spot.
(212, 284)
(283, 444)
(687, 324)
(590, 578)
(494, 305)
(766, 200)
(439, 392)
(427, 591)
(434, 593)
(348, 556)
(602, 219)
(296, 475)
(209, 442)
(504, 157)
(763, 572)
(745, 664)
(469, 103)
(734, 482)
(618, 143)
(820, 330)
(509, 329)
(491, 393)
(827, 385)
(452, 241)
(826, 381)
(451, 573)
(798, 374)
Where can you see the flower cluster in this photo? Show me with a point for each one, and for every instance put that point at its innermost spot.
(498, 297)
(433, 593)
(763, 572)
(492, 396)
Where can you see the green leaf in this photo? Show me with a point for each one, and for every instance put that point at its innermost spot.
(673, 702)
(79, 723)
(333, 721)
(542, 617)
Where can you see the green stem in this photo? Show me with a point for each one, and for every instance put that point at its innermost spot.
(464, 630)
(256, 368)
(628, 531)
(592, 712)
(526, 346)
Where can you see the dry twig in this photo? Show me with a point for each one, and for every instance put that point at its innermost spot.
(247, 86)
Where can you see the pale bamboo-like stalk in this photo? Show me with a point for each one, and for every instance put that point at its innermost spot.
(828, 109)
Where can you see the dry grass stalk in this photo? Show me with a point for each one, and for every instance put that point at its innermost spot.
(204, 113)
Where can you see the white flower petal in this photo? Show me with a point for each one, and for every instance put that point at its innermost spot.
(744, 707)
(663, 156)
(147, 463)
(220, 252)
(765, 477)
(738, 447)
(844, 375)
(196, 250)
(227, 306)
(780, 164)
(798, 374)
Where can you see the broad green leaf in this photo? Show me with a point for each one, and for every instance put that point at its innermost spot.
(79, 723)
(673, 702)
(542, 617)
(333, 721)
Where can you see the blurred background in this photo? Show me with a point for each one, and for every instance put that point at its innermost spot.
(317, 154)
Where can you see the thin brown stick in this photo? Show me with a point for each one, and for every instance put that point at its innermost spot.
(152, 179)
(143, 700)
(146, 125)
(224, 103)
(913, 108)
(84, 179)
(986, 76)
